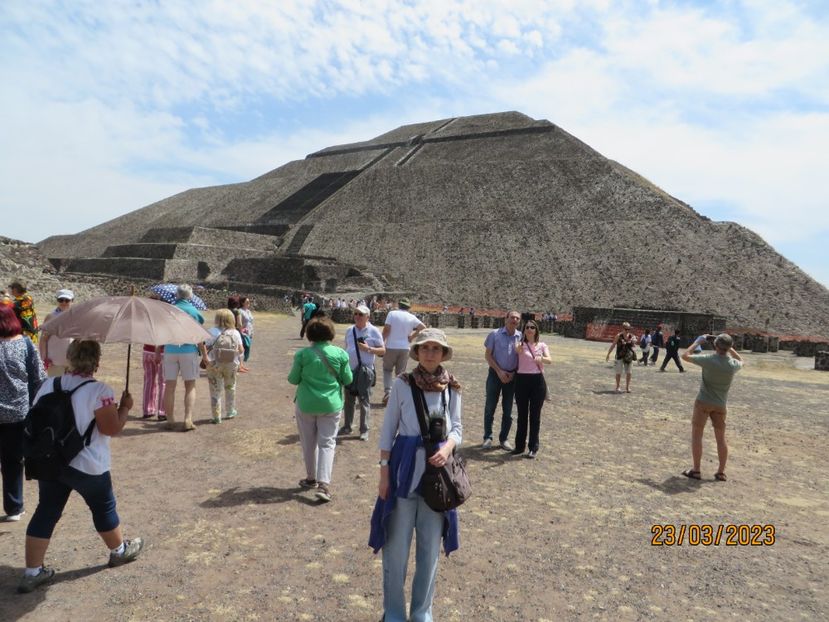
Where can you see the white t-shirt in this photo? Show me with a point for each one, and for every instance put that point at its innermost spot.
(95, 458)
(401, 323)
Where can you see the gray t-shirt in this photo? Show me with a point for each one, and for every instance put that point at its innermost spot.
(717, 373)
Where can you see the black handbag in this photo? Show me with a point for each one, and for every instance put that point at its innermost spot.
(364, 377)
(443, 488)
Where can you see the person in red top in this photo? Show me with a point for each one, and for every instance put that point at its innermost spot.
(530, 388)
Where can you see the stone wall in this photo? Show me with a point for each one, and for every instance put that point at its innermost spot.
(689, 324)
(810, 348)
(822, 360)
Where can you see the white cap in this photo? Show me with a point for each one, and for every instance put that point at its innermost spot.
(65, 293)
(363, 310)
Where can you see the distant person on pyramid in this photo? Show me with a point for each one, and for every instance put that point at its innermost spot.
(718, 369)
(625, 344)
(501, 353)
(400, 328)
(183, 359)
(24, 309)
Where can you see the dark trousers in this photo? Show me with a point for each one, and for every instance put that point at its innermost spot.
(655, 355)
(530, 391)
(11, 463)
(96, 490)
(506, 391)
(671, 356)
(302, 330)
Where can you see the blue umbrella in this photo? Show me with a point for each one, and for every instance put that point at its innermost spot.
(167, 293)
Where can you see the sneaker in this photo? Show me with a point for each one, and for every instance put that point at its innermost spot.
(506, 446)
(216, 420)
(131, 550)
(385, 399)
(516, 452)
(162, 417)
(532, 454)
(323, 493)
(13, 518)
(364, 436)
(28, 584)
(232, 414)
(344, 431)
(307, 483)
(487, 444)
(681, 371)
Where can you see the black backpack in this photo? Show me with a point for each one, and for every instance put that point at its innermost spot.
(50, 437)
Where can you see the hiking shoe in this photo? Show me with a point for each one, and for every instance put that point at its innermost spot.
(131, 550)
(506, 446)
(13, 518)
(385, 399)
(364, 436)
(28, 584)
(344, 431)
(307, 483)
(231, 414)
(323, 493)
(487, 444)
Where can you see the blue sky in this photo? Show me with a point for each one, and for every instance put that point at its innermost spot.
(110, 106)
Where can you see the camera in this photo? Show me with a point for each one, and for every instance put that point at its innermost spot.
(361, 339)
(437, 428)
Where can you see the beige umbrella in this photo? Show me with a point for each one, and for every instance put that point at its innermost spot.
(127, 319)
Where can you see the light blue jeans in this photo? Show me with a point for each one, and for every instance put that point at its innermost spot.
(411, 516)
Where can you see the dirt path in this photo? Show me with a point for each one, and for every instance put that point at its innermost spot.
(565, 537)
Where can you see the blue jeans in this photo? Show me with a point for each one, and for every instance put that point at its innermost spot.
(410, 516)
(495, 389)
(11, 463)
(96, 490)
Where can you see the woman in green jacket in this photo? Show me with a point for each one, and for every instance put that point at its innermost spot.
(320, 372)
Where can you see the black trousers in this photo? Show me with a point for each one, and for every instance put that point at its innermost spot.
(655, 355)
(530, 391)
(671, 356)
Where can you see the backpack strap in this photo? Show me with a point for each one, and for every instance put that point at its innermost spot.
(87, 435)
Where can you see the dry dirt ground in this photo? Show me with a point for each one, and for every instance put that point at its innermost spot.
(566, 537)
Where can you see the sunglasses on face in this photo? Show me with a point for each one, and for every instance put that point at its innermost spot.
(64, 300)
(529, 328)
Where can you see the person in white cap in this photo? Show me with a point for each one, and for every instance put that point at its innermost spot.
(363, 342)
(53, 349)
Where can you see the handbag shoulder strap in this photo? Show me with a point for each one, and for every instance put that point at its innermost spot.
(356, 346)
(327, 364)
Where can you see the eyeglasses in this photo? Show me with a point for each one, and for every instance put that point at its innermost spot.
(64, 300)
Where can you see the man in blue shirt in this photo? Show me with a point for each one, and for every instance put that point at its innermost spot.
(502, 357)
(309, 307)
(183, 359)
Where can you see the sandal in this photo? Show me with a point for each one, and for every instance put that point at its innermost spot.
(720, 477)
(692, 474)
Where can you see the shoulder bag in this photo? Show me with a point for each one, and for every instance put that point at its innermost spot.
(364, 376)
(443, 488)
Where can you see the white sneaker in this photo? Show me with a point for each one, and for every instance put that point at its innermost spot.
(487, 444)
(12, 518)
(507, 446)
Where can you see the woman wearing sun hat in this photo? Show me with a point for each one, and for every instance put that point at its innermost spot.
(400, 510)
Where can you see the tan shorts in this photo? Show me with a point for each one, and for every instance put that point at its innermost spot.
(621, 367)
(702, 411)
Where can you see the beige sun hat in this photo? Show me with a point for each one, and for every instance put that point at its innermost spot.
(435, 335)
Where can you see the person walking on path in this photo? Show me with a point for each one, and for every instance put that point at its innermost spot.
(363, 342)
(501, 354)
(24, 308)
(53, 349)
(224, 353)
(625, 344)
(319, 373)
(399, 329)
(657, 341)
(718, 370)
(183, 359)
(246, 323)
(309, 307)
(21, 373)
(88, 473)
(400, 511)
(672, 352)
(645, 346)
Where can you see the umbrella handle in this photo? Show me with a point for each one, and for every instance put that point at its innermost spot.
(129, 353)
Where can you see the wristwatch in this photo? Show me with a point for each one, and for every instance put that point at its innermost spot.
(383, 462)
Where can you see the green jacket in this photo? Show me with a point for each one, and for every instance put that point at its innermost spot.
(318, 392)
